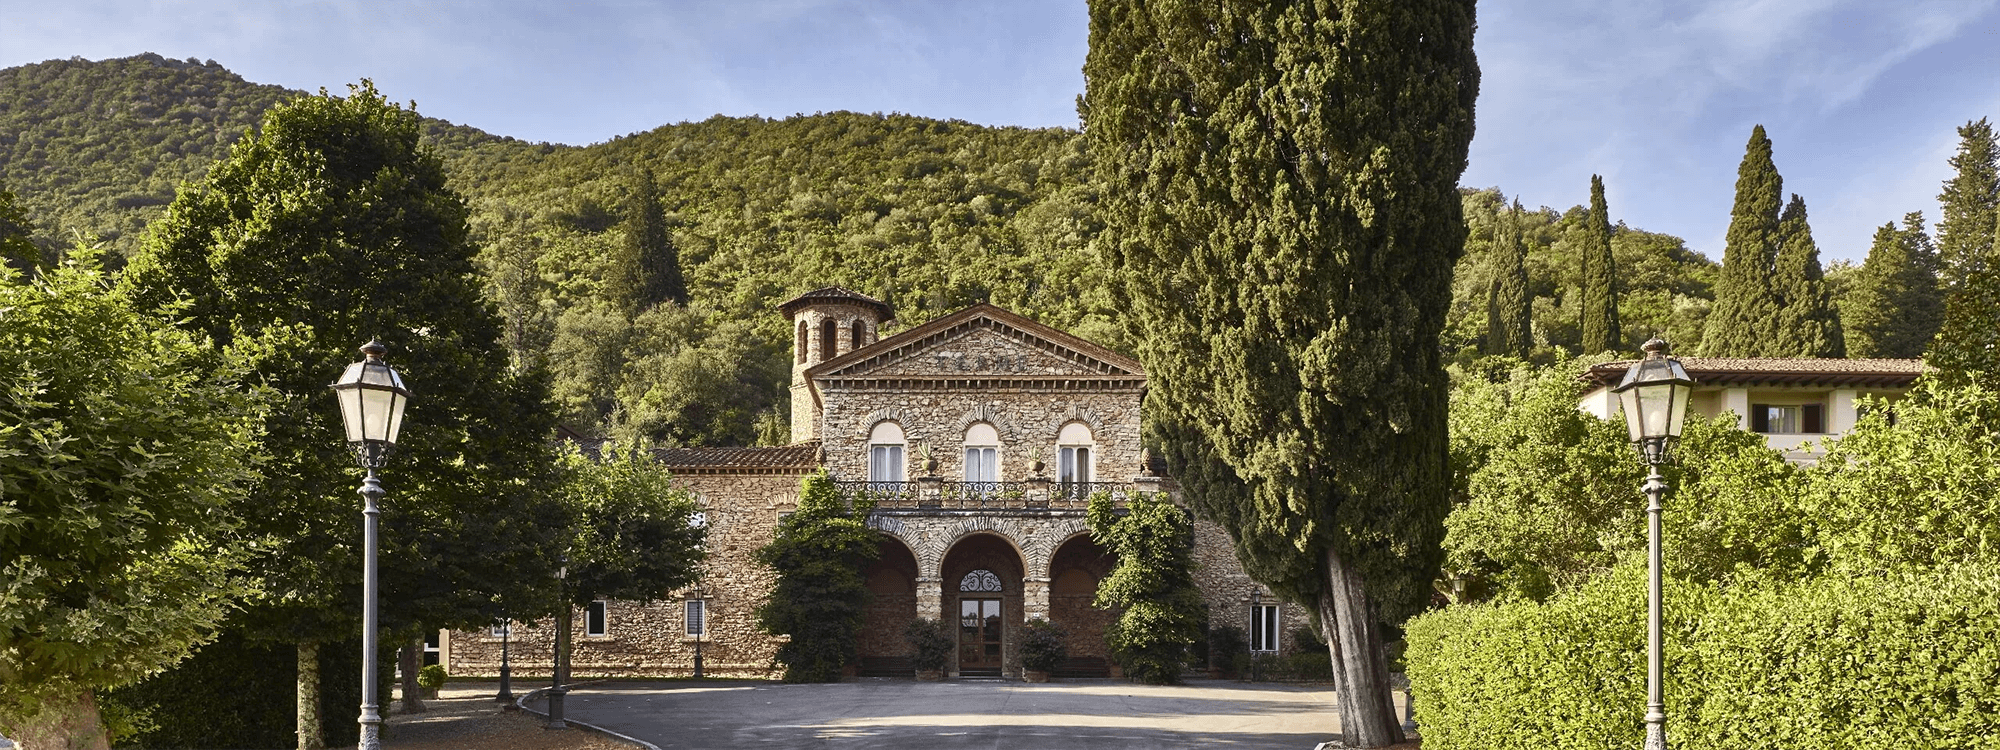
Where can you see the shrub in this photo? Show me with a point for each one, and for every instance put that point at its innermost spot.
(1224, 644)
(1152, 588)
(431, 677)
(930, 645)
(1886, 661)
(820, 598)
(236, 692)
(1042, 647)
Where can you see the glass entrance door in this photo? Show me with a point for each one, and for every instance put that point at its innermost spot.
(979, 637)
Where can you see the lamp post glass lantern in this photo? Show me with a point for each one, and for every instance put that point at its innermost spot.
(372, 398)
(1654, 394)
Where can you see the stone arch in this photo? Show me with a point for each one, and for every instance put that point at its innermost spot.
(892, 587)
(886, 414)
(1084, 414)
(990, 414)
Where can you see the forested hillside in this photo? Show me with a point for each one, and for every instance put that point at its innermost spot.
(928, 215)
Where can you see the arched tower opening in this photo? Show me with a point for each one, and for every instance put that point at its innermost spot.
(831, 321)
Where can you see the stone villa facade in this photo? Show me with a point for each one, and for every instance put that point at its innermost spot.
(979, 435)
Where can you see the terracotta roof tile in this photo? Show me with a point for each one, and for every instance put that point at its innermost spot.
(1775, 370)
(795, 456)
(836, 294)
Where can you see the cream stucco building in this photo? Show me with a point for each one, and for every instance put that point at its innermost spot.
(1797, 404)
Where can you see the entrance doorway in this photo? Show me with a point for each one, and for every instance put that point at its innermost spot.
(979, 626)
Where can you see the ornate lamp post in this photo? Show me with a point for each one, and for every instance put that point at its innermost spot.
(558, 674)
(372, 398)
(506, 670)
(697, 622)
(1655, 395)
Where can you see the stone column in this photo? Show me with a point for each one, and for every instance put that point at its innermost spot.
(1035, 598)
(930, 598)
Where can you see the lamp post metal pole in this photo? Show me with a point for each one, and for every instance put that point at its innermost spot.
(371, 715)
(506, 670)
(1656, 706)
(557, 675)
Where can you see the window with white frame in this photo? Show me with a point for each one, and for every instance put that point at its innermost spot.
(1073, 449)
(694, 616)
(502, 629)
(596, 620)
(982, 453)
(885, 452)
(1264, 623)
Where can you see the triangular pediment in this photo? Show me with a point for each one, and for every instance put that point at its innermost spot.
(980, 342)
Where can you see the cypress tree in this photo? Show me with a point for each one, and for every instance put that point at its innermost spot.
(1970, 203)
(1281, 207)
(1967, 347)
(1509, 329)
(1808, 324)
(647, 268)
(1893, 306)
(1746, 306)
(1600, 293)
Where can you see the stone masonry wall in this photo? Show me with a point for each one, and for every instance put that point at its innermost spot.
(1227, 588)
(649, 639)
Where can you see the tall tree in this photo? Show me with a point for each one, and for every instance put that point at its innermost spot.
(1600, 291)
(1970, 203)
(1746, 305)
(121, 461)
(17, 248)
(1967, 347)
(820, 599)
(1509, 325)
(1893, 305)
(328, 226)
(1808, 325)
(647, 269)
(1281, 202)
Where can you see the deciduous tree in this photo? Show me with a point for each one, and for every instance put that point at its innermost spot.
(329, 226)
(1160, 610)
(1280, 197)
(123, 461)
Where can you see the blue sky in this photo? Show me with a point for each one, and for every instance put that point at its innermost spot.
(1860, 96)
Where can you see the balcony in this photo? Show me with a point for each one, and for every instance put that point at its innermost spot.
(942, 495)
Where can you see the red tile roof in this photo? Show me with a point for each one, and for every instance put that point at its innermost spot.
(836, 294)
(1890, 373)
(795, 456)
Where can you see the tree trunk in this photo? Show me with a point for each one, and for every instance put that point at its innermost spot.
(413, 657)
(66, 722)
(1360, 664)
(312, 734)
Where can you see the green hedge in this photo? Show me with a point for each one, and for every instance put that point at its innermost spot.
(1888, 662)
(236, 694)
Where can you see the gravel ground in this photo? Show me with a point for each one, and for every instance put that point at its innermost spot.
(467, 718)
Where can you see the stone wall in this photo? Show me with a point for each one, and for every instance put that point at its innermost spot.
(649, 639)
(1227, 588)
(808, 349)
(1028, 421)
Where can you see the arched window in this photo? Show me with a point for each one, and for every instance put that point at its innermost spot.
(854, 335)
(802, 342)
(885, 452)
(1073, 448)
(982, 453)
(827, 335)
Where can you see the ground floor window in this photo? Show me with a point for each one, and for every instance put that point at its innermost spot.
(695, 616)
(502, 629)
(1264, 627)
(596, 619)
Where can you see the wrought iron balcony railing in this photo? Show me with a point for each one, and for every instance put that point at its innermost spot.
(942, 495)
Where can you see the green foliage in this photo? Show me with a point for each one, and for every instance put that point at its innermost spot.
(1043, 646)
(1600, 274)
(930, 644)
(1919, 490)
(1807, 325)
(1902, 660)
(16, 248)
(1893, 305)
(1746, 304)
(1509, 321)
(1225, 643)
(634, 535)
(238, 692)
(1160, 611)
(328, 226)
(1551, 494)
(1970, 203)
(820, 599)
(647, 269)
(432, 676)
(122, 462)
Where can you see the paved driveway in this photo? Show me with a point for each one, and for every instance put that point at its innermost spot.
(903, 714)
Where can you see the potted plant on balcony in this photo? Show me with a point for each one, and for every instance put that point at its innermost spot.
(930, 648)
(1042, 649)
